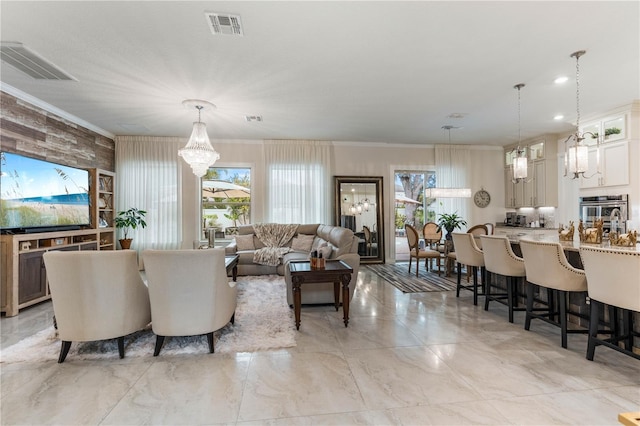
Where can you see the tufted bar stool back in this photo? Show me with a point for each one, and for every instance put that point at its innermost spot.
(612, 279)
(500, 259)
(546, 266)
(468, 253)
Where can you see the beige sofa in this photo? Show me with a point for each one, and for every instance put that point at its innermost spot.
(343, 246)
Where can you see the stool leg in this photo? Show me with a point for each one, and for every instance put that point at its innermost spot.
(562, 301)
(510, 285)
(487, 292)
(552, 305)
(593, 328)
(459, 279)
(475, 284)
(527, 320)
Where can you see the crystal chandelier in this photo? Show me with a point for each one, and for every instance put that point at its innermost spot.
(198, 152)
(519, 164)
(576, 155)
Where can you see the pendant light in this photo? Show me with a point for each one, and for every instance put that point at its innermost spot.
(198, 152)
(441, 192)
(576, 155)
(519, 163)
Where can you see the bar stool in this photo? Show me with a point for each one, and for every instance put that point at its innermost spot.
(468, 253)
(499, 259)
(547, 266)
(612, 279)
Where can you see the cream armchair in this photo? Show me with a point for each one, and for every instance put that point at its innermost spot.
(97, 295)
(190, 293)
(321, 293)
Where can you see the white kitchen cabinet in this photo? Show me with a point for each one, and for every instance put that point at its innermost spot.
(614, 166)
(540, 187)
(509, 189)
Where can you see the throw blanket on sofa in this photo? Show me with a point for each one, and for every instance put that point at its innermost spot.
(274, 236)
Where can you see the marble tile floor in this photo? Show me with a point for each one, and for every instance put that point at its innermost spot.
(405, 359)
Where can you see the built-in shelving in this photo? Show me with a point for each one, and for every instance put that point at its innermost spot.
(23, 276)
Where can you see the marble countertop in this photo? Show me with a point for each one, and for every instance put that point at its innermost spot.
(569, 245)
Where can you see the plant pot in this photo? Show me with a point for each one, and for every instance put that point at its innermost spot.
(126, 244)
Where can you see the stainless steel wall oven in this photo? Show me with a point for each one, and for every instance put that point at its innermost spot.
(613, 209)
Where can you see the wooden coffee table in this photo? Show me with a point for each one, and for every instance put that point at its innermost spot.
(335, 270)
(231, 264)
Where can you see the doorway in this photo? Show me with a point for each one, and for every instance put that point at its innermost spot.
(411, 206)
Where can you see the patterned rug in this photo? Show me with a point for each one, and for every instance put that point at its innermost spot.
(397, 274)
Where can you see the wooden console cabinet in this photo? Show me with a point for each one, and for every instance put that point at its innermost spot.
(23, 278)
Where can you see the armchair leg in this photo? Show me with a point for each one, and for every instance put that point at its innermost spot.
(210, 340)
(121, 346)
(64, 350)
(233, 318)
(159, 343)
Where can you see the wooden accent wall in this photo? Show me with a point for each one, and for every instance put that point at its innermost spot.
(29, 130)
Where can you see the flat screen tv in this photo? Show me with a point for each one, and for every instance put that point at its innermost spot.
(38, 195)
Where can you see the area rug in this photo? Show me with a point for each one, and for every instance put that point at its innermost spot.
(263, 321)
(397, 274)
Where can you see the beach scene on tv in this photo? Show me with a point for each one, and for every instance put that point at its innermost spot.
(36, 193)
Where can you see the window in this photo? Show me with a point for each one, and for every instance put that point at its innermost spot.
(226, 200)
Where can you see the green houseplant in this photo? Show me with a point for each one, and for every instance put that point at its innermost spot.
(451, 222)
(126, 219)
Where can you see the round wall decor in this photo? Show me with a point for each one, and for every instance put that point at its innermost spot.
(482, 198)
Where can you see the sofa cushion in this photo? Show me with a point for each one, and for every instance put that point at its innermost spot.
(302, 242)
(340, 238)
(245, 242)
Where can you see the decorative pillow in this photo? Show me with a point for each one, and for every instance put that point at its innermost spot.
(326, 251)
(302, 242)
(245, 242)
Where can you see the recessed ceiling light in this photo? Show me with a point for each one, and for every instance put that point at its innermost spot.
(561, 80)
(558, 117)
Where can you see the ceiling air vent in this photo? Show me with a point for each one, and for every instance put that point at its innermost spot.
(30, 63)
(222, 23)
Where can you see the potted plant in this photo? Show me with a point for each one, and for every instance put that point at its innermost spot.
(126, 219)
(450, 222)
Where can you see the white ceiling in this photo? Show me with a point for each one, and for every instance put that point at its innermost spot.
(344, 71)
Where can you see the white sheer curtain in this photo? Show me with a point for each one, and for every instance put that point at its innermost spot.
(149, 178)
(453, 165)
(298, 181)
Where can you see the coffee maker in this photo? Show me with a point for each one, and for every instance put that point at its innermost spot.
(511, 219)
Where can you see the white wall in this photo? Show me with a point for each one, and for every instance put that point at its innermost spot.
(353, 159)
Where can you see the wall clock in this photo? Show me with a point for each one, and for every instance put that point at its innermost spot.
(482, 198)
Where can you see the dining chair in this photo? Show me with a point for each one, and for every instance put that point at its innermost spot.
(371, 246)
(190, 293)
(468, 253)
(413, 240)
(491, 227)
(97, 295)
(546, 265)
(432, 235)
(612, 279)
